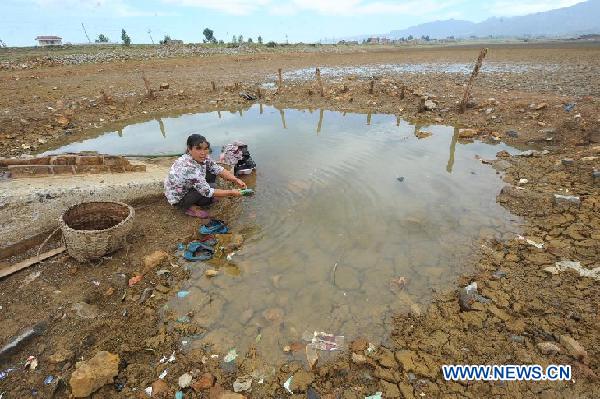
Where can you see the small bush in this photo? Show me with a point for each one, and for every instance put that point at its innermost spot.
(271, 44)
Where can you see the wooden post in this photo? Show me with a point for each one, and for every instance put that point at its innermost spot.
(258, 93)
(402, 92)
(369, 118)
(467, 94)
(371, 85)
(280, 81)
(319, 82)
(214, 86)
(421, 106)
(149, 91)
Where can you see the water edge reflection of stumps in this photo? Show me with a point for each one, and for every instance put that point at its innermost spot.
(161, 126)
(450, 164)
(282, 113)
(320, 121)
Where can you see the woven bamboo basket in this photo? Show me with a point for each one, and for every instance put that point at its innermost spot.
(94, 229)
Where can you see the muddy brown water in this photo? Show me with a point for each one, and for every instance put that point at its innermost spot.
(354, 220)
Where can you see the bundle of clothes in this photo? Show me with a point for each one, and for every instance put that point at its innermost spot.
(237, 155)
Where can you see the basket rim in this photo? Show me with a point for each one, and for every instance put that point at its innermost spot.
(64, 224)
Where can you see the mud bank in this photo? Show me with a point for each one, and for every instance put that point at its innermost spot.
(537, 310)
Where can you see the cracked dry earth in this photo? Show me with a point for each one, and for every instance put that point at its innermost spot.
(535, 312)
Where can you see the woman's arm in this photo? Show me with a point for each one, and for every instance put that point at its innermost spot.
(227, 175)
(226, 193)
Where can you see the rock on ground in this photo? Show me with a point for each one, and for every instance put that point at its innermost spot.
(90, 375)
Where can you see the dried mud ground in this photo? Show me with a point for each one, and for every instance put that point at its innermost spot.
(536, 314)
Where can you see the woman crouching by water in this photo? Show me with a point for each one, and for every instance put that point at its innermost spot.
(187, 187)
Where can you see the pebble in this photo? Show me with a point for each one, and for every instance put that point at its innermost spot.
(574, 348)
(567, 161)
(548, 348)
(517, 338)
(185, 380)
(566, 199)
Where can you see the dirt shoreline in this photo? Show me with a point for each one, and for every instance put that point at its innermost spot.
(532, 317)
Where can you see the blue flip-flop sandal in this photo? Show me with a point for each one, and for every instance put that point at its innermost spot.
(215, 226)
(198, 251)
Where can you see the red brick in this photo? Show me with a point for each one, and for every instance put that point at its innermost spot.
(114, 160)
(29, 170)
(63, 160)
(116, 168)
(90, 160)
(33, 161)
(92, 169)
(63, 169)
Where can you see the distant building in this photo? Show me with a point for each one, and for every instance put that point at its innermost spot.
(49, 40)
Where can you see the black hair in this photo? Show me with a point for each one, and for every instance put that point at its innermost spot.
(194, 140)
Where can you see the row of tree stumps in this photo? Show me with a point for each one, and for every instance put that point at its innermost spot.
(371, 88)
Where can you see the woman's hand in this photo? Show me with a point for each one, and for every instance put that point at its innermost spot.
(235, 193)
(240, 183)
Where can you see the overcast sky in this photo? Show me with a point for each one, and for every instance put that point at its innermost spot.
(301, 20)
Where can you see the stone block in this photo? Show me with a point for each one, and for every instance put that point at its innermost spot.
(92, 169)
(63, 169)
(63, 160)
(89, 160)
(17, 171)
(114, 160)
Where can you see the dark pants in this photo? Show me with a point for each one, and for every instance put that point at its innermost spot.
(193, 197)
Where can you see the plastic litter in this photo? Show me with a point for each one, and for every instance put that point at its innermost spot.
(287, 384)
(134, 280)
(163, 374)
(171, 359)
(4, 373)
(183, 294)
(327, 342)
(230, 356)
(376, 396)
(242, 383)
(31, 363)
(148, 391)
(49, 380)
(531, 242)
(119, 386)
(178, 395)
(246, 192)
(569, 107)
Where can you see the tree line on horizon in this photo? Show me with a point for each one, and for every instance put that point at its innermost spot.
(208, 33)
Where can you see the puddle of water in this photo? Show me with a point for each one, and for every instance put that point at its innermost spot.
(346, 205)
(363, 71)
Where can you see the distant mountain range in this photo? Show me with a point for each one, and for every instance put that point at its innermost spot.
(582, 18)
